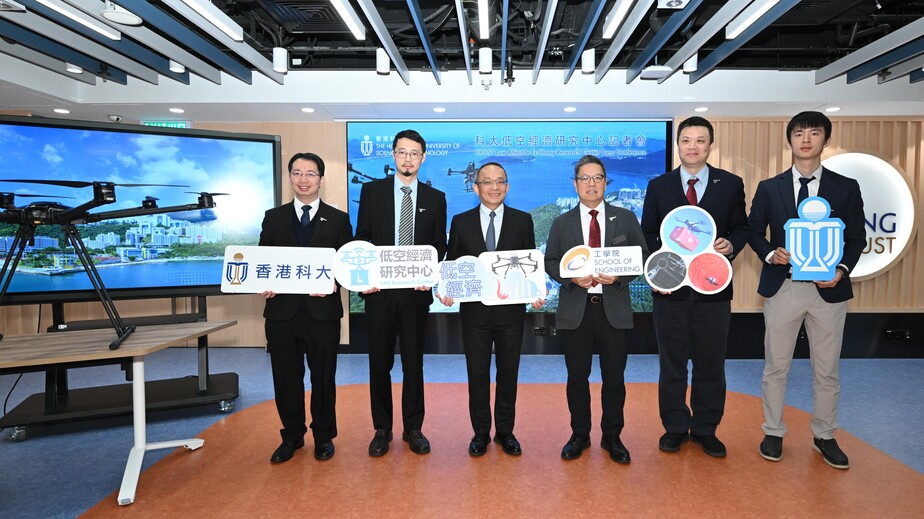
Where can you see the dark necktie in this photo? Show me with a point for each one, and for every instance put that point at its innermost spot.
(489, 242)
(306, 214)
(803, 190)
(691, 193)
(594, 238)
(406, 223)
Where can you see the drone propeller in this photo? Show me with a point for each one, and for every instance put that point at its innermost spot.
(206, 193)
(83, 183)
(17, 195)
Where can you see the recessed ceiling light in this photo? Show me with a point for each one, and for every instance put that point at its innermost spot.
(570, 109)
(73, 69)
(701, 109)
(177, 110)
(61, 111)
(833, 109)
(439, 109)
(308, 110)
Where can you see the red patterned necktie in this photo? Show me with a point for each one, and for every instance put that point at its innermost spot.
(594, 238)
(691, 193)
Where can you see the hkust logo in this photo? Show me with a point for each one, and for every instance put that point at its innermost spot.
(815, 241)
(236, 272)
(577, 258)
(366, 146)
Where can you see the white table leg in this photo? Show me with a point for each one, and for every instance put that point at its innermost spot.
(136, 456)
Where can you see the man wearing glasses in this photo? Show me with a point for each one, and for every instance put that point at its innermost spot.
(594, 311)
(400, 210)
(491, 226)
(300, 325)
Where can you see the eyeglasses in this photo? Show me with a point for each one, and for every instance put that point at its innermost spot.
(487, 183)
(585, 179)
(413, 155)
(309, 175)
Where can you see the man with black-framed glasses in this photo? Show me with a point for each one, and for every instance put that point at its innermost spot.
(594, 311)
(400, 210)
(490, 226)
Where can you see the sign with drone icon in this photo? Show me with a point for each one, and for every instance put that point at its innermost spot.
(687, 256)
(495, 278)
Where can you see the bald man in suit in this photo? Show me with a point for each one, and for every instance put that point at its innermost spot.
(492, 225)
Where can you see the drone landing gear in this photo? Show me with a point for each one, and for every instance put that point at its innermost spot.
(26, 234)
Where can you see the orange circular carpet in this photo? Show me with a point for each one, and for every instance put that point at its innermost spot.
(231, 476)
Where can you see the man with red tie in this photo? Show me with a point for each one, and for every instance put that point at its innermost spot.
(595, 311)
(691, 326)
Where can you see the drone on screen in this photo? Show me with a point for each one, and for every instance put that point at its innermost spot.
(361, 178)
(469, 172)
(45, 212)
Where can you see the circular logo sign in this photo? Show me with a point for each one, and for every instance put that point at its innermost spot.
(888, 206)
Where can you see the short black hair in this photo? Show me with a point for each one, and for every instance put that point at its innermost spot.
(588, 159)
(486, 164)
(696, 121)
(809, 119)
(308, 156)
(412, 135)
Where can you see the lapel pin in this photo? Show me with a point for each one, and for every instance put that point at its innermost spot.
(421, 209)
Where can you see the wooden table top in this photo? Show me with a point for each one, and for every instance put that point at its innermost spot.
(88, 345)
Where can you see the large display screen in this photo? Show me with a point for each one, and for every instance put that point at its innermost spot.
(539, 157)
(150, 255)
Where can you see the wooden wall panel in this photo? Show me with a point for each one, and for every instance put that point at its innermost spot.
(757, 150)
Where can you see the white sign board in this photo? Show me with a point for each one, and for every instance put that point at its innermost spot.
(284, 270)
(359, 266)
(582, 260)
(495, 278)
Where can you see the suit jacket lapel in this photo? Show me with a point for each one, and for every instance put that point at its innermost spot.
(574, 222)
(610, 226)
(502, 231)
(827, 185)
(787, 196)
(677, 193)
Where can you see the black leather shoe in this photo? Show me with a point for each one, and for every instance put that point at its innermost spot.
(772, 448)
(418, 443)
(479, 445)
(286, 450)
(379, 444)
(618, 452)
(831, 453)
(509, 443)
(671, 442)
(575, 446)
(324, 450)
(711, 445)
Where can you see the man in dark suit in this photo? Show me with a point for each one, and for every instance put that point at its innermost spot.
(492, 225)
(401, 313)
(822, 305)
(300, 325)
(690, 325)
(595, 310)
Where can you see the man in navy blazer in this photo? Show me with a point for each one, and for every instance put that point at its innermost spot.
(821, 305)
(594, 311)
(401, 312)
(300, 325)
(690, 325)
(483, 326)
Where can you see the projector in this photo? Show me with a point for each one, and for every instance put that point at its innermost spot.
(655, 72)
